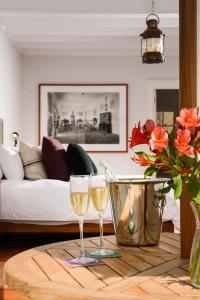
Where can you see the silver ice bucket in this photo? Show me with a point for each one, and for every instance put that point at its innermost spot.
(137, 210)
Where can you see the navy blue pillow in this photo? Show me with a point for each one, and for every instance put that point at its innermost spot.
(80, 162)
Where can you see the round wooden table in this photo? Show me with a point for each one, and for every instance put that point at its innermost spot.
(154, 272)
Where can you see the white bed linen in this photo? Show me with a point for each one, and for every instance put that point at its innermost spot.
(40, 200)
(47, 201)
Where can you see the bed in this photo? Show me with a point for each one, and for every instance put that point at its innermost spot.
(44, 206)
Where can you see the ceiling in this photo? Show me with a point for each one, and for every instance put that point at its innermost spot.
(85, 27)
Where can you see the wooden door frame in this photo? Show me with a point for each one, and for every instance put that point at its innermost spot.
(188, 98)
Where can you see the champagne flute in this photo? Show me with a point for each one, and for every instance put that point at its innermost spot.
(99, 192)
(80, 200)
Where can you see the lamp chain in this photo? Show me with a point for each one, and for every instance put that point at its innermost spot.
(153, 7)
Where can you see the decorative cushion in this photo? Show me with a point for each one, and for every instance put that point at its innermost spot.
(32, 161)
(79, 160)
(55, 159)
(11, 163)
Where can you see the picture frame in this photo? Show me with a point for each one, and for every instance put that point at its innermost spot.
(92, 115)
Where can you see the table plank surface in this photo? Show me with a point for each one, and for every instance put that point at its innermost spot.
(155, 272)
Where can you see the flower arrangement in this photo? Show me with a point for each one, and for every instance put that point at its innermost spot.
(175, 154)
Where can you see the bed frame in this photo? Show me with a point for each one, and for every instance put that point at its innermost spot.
(92, 228)
(6, 227)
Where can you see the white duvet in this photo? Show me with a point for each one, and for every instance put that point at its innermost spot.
(48, 200)
(40, 200)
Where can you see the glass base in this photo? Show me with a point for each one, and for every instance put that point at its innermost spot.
(102, 252)
(82, 260)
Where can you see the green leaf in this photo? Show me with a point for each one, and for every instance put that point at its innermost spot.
(178, 186)
(150, 171)
(194, 190)
(142, 153)
(165, 190)
(139, 153)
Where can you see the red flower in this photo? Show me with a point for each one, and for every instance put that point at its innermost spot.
(188, 118)
(184, 171)
(165, 168)
(148, 127)
(162, 166)
(141, 160)
(138, 137)
(198, 142)
(175, 154)
(198, 148)
(182, 143)
(159, 139)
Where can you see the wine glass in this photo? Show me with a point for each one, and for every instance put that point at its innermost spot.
(80, 200)
(99, 192)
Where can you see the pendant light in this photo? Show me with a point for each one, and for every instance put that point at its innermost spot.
(152, 42)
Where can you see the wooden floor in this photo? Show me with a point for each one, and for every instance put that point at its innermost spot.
(12, 244)
(140, 273)
(8, 248)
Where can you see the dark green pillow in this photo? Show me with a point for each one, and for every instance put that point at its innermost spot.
(79, 161)
(94, 167)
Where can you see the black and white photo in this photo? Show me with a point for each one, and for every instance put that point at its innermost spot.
(93, 116)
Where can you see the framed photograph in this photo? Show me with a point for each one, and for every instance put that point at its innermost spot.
(92, 115)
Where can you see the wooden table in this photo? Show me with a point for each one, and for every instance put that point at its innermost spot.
(155, 272)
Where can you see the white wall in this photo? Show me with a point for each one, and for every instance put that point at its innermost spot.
(52, 69)
(10, 86)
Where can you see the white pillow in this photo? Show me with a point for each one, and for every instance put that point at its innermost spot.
(1, 173)
(11, 163)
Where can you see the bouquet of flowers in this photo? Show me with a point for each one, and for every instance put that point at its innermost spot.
(175, 154)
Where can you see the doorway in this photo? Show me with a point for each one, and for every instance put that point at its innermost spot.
(167, 107)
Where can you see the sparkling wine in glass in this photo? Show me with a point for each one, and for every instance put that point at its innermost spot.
(99, 192)
(80, 200)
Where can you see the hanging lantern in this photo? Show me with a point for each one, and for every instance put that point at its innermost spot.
(152, 43)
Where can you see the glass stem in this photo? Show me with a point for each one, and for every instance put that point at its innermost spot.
(82, 254)
(101, 230)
